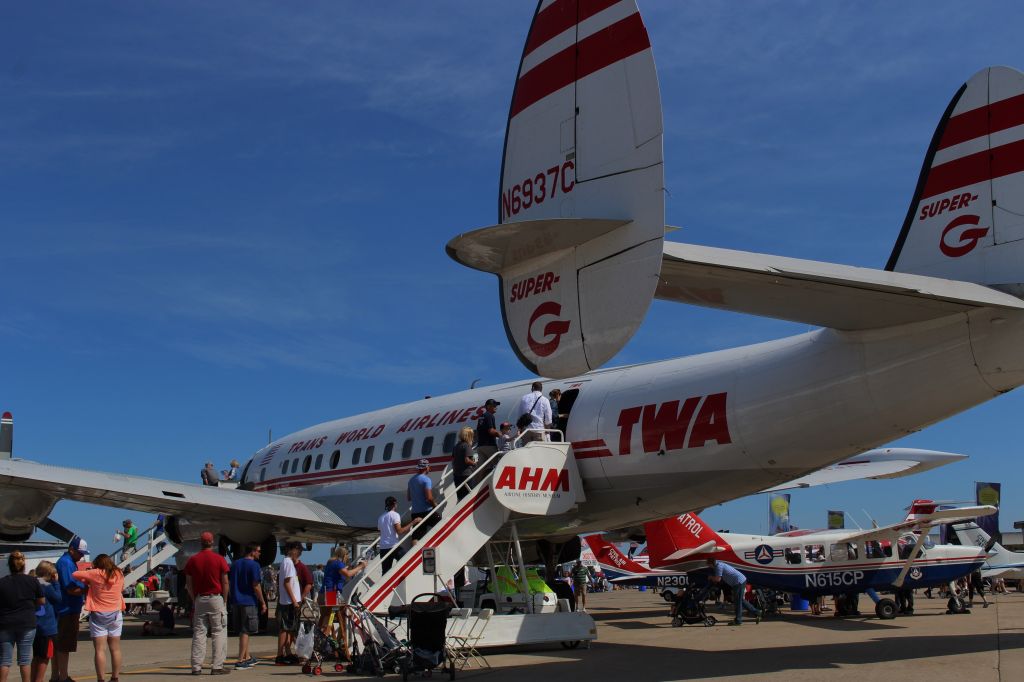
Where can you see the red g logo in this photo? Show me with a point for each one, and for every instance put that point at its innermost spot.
(968, 238)
(553, 330)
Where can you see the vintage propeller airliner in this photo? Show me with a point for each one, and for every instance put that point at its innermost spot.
(580, 252)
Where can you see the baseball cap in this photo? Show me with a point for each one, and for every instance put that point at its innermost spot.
(79, 545)
(207, 536)
(491, 401)
(423, 464)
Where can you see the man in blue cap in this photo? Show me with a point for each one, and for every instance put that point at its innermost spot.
(73, 594)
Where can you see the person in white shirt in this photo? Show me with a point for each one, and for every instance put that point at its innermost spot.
(537, 406)
(288, 602)
(391, 529)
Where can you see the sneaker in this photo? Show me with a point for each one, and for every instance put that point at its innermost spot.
(757, 618)
(281, 660)
(219, 671)
(735, 622)
(243, 665)
(253, 660)
(197, 672)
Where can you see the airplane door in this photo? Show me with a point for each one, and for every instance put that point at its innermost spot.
(579, 409)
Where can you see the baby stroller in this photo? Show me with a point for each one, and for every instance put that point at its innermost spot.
(375, 649)
(428, 623)
(689, 608)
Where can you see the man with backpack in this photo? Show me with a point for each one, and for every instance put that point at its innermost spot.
(537, 406)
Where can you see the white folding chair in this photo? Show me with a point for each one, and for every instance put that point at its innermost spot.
(464, 647)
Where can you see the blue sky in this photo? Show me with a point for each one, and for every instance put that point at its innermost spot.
(218, 219)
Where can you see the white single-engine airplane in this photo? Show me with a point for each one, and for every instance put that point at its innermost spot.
(580, 252)
(824, 562)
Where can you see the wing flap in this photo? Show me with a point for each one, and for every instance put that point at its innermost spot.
(813, 292)
(293, 517)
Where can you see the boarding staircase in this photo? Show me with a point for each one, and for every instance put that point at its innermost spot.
(151, 549)
(538, 478)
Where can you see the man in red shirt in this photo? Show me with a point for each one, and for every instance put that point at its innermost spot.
(206, 579)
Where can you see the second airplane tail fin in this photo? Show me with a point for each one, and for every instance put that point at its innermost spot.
(680, 539)
(966, 220)
(609, 556)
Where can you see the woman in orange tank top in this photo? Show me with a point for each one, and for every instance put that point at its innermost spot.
(104, 602)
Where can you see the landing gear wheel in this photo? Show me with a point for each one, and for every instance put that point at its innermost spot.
(710, 621)
(956, 605)
(885, 609)
(668, 596)
(571, 644)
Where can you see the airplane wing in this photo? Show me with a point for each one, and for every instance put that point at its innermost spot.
(879, 463)
(286, 517)
(922, 523)
(812, 292)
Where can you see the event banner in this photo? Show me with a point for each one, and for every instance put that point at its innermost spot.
(989, 493)
(836, 519)
(778, 513)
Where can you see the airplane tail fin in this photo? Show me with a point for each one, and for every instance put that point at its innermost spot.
(6, 435)
(609, 556)
(920, 508)
(970, 534)
(681, 538)
(581, 210)
(966, 220)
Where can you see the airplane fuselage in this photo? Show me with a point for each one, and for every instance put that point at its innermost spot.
(824, 563)
(656, 439)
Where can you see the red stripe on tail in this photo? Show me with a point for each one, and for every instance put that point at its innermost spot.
(986, 120)
(974, 168)
(606, 47)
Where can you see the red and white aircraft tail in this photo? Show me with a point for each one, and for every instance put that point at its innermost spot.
(680, 539)
(581, 210)
(608, 554)
(966, 220)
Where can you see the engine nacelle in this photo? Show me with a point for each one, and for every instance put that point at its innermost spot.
(229, 539)
(20, 511)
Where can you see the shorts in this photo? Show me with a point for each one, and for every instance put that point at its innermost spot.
(105, 624)
(67, 633)
(288, 617)
(20, 638)
(247, 618)
(424, 526)
(42, 646)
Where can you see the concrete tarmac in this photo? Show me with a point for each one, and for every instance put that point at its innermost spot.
(636, 643)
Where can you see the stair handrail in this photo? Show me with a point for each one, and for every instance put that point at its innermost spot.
(371, 549)
(517, 442)
(355, 585)
(118, 554)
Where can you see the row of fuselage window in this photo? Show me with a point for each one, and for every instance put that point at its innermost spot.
(362, 455)
(842, 551)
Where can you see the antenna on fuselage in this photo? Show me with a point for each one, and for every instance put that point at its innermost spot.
(270, 435)
(473, 385)
(874, 524)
